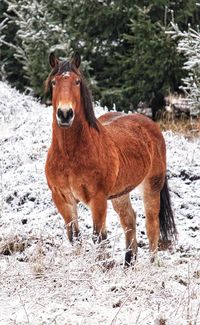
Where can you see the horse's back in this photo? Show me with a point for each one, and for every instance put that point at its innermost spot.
(136, 126)
(117, 120)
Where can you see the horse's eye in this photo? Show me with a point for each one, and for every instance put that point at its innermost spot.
(53, 82)
(77, 82)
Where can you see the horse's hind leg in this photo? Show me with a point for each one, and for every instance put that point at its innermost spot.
(151, 196)
(122, 206)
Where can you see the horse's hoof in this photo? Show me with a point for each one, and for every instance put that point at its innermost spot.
(152, 259)
(78, 239)
(153, 256)
(74, 237)
(130, 258)
(98, 238)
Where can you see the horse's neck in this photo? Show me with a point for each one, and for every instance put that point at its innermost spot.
(67, 141)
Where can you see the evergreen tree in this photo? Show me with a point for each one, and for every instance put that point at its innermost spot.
(189, 45)
(37, 34)
(10, 68)
(150, 67)
(147, 66)
(126, 53)
(96, 29)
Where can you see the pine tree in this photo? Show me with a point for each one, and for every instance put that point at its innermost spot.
(126, 54)
(36, 36)
(92, 27)
(189, 45)
(150, 66)
(10, 68)
(96, 29)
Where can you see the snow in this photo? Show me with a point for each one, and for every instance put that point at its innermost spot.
(45, 280)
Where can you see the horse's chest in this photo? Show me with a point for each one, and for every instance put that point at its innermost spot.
(57, 172)
(61, 177)
(59, 181)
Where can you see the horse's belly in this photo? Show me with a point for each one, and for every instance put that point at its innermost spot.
(120, 192)
(132, 172)
(125, 187)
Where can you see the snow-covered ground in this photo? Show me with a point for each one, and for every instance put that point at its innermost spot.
(44, 280)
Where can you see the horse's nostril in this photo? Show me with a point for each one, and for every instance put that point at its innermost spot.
(70, 113)
(59, 113)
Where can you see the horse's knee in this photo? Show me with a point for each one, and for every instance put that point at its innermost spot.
(98, 207)
(67, 208)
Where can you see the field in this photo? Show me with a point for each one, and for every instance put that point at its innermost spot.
(45, 280)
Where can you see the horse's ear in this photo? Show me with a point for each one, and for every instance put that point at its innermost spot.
(53, 61)
(76, 59)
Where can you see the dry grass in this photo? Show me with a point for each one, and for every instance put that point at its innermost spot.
(188, 127)
(12, 244)
(75, 287)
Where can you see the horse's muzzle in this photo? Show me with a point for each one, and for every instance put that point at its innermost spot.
(65, 117)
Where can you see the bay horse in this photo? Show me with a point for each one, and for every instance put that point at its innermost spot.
(94, 160)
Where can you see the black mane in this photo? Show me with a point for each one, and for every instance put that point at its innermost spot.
(88, 106)
(68, 66)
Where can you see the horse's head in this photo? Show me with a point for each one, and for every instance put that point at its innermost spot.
(70, 95)
(65, 80)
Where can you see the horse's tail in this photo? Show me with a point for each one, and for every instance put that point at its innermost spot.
(168, 230)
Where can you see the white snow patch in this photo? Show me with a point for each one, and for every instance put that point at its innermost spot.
(44, 280)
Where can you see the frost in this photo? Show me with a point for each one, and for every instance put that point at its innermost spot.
(189, 45)
(45, 280)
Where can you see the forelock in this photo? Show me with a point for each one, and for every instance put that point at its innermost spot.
(64, 66)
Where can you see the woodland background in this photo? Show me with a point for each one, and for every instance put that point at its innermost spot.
(132, 50)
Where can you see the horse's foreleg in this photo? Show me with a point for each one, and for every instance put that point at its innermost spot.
(68, 210)
(98, 206)
(122, 206)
